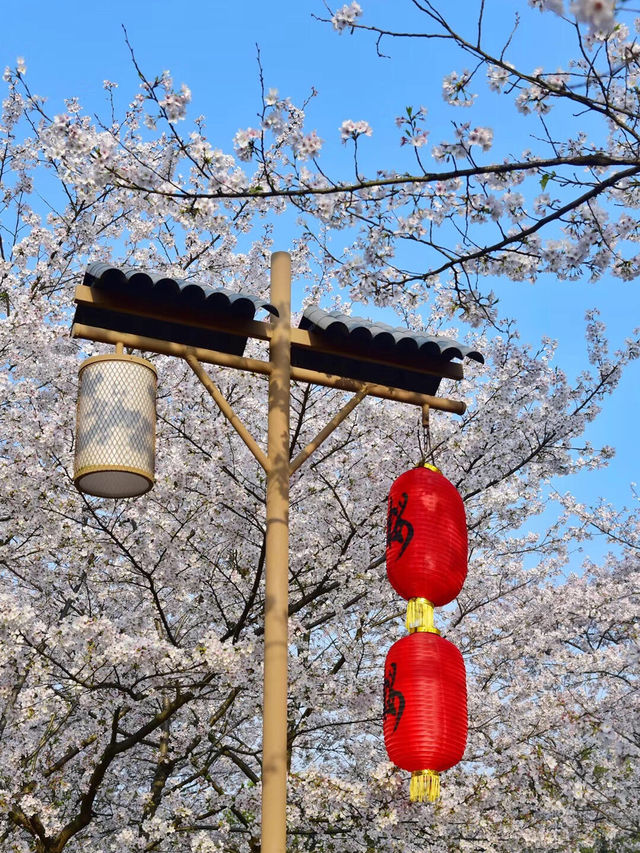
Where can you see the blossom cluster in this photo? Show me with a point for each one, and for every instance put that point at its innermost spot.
(346, 16)
(350, 129)
(598, 14)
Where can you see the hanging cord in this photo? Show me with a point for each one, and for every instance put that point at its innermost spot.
(428, 457)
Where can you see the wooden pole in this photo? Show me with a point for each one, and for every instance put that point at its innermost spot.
(276, 623)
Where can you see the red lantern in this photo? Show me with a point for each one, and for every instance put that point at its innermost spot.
(426, 537)
(425, 709)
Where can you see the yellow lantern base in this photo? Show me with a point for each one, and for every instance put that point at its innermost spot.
(425, 785)
(420, 616)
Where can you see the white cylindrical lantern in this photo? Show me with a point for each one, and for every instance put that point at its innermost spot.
(116, 426)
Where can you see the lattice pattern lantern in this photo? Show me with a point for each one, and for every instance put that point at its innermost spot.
(116, 426)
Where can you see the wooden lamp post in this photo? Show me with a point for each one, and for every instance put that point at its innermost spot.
(145, 311)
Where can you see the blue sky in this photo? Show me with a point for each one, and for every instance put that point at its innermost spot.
(70, 47)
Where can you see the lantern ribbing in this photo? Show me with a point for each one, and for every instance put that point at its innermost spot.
(426, 537)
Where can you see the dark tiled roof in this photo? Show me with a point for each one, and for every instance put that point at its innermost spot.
(170, 292)
(362, 344)
(370, 340)
(381, 336)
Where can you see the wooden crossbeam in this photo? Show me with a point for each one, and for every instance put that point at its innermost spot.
(254, 365)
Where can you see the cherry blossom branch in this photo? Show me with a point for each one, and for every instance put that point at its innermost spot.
(595, 160)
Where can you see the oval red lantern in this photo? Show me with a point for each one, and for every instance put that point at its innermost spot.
(425, 709)
(426, 537)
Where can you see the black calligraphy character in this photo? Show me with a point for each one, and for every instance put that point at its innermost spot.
(393, 699)
(398, 528)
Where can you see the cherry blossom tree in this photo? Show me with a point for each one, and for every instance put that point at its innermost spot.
(484, 210)
(131, 631)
